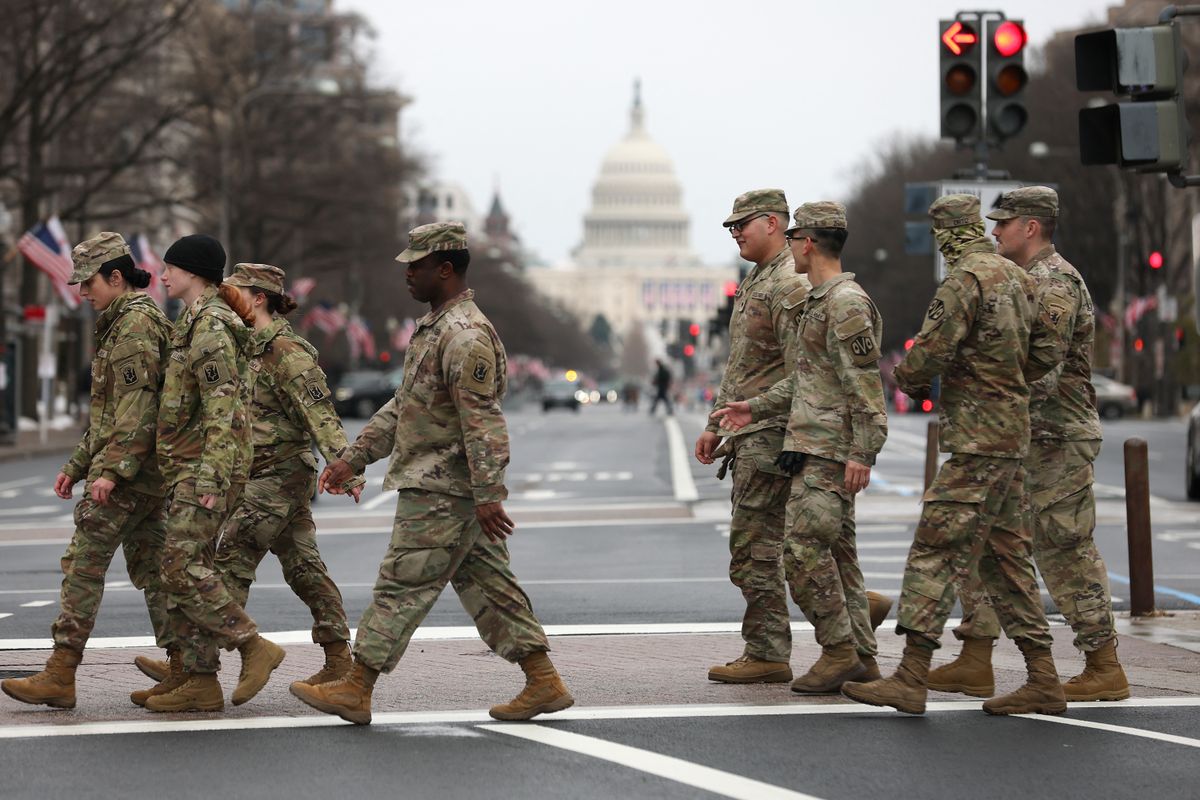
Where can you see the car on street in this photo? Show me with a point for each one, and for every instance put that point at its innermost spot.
(1191, 461)
(362, 392)
(1113, 400)
(563, 394)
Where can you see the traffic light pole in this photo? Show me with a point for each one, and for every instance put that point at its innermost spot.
(1165, 17)
(980, 146)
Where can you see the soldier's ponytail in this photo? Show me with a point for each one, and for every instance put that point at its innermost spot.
(235, 300)
(282, 304)
(137, 278)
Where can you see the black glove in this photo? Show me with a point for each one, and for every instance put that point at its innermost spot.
(790, 461)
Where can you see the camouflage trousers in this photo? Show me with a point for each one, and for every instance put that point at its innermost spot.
(131, 520)
(274, 515)
(756, 531)
(976, 517)
(437, 540)
(820, 557)
(202, 613)
(1060, 476)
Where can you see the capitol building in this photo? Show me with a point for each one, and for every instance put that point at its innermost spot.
(635, 265)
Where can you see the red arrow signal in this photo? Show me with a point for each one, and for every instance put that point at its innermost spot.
(959, 38)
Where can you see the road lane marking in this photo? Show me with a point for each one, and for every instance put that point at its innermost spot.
(22, 482)
(1104, 726)
(1167, 590)
(37, 603)
(376, 502)
(681, 469)
(3, 615)
(688, 773)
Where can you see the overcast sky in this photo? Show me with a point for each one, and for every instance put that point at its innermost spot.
(770, 93)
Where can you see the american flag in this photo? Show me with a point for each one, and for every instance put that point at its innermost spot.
(145, 258)
(403, 334)
(362, 343)
(324, 317)
(46, 247)
(1137, 307)
(302, 287)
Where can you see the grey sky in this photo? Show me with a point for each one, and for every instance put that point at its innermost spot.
(770, 93)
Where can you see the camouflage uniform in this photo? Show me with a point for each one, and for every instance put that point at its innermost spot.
(290, 410)
(131, 345)
(837, 413)
(762, 327)
(1066, 435)
(980, 335)
(448, 442)
(204, 448)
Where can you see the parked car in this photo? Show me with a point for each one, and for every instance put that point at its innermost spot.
(360, 393)
(1192, 462)
(563, 394)
(1114, 400)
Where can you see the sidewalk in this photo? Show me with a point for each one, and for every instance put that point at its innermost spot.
(29, 444)
(621, 670)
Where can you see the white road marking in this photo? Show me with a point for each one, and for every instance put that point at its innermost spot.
(37, 603)
(689, 773)
(3, 615)
(376, 502)
(681, 469)
(1103, 726)
(22, 482)
(18, 512)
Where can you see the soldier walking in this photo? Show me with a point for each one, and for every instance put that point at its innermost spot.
(981, 336)
(122, 499)
(205, 450)
(836, 427)
(448, 442)
(1065, 437)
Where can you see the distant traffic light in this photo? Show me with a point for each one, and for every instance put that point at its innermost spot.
(1007, 78)
(1155, 260)
(961, 89)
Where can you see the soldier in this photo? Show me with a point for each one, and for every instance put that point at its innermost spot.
(122, 498)
(448, 442)
(836, 427)
(981, 336)
(204, 449)
(1065, 440)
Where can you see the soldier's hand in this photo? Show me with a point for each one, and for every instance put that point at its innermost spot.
(63, 485)
(355, 492)
(208, 501)
(734, 416)
(857, 476)
(335, 474)
(495, 521)
(705, 445)
(101, 489)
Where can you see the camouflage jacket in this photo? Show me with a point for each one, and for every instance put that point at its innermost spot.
(203, 432)
(290, 405)
(1062, 405)
(761, 331)
(835, 394)
(444, 428)
(127, 373)
(981, 335)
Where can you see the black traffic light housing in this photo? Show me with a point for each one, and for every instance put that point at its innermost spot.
(1007, 78)
(960, 58)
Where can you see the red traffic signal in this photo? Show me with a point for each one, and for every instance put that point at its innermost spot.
(694, 329)
(730, 288)
(959, 38)
(689, 350)
(1139, 344)
(1009, 38)
(1155, 260)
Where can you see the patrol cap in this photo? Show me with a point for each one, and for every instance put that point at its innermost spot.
(90, 255)
(954, 211)
(757, 201)
(257, 276)
(821, 214)
(1028, 201)
(433, 238)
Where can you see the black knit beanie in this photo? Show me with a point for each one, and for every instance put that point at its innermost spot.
(199, 254)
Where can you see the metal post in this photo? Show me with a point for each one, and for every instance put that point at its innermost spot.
(1137, 515)
(931, 452)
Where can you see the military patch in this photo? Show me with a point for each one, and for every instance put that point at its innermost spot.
(129, 375)
(937, 309)
(481, 370)
(214, 372)
(478, 369)
(312, 385)
(863, 349)
(315, 391)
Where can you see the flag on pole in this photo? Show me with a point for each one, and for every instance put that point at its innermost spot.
(362, 343)
(46, 247)
(403, 334)
(301, 288)
(324, 317)
(145, 258)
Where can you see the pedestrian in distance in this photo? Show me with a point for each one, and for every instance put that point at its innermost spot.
(122, 504)
(662, 387)
(448, 444)
(1065, 438)
(836, 426)
(204, 447)
(981, 335)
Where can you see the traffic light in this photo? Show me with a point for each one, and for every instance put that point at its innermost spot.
(961, 89)
(1007, 78)
(1155, 260)
(1149, 132)
(689, 335)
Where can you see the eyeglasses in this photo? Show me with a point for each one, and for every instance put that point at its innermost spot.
(737, 227)
(797, 238)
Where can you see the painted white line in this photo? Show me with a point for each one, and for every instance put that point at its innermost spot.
(3, 615)
(376, 502)
(681, 470)
(37, 603)
(689, 773)
(1103, 726)
(889, 544)
(22, 482)
(17, 512)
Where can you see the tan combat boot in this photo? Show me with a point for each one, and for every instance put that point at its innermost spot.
(349, 696)
(970, 673)
(153, 668)
(1041, 694)
(879, 605)
(54, 686)
(260, 657)
(198, 692)
(175, 678)
(905, 690)
(544, 692)
(1101, 679)
(749, 669)
(837, 664)
(870, 669)
(337, 663)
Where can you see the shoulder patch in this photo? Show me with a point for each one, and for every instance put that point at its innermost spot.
(313, 386)
(937, 310)
(213, 372)
(479, 369)
(795, 297)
